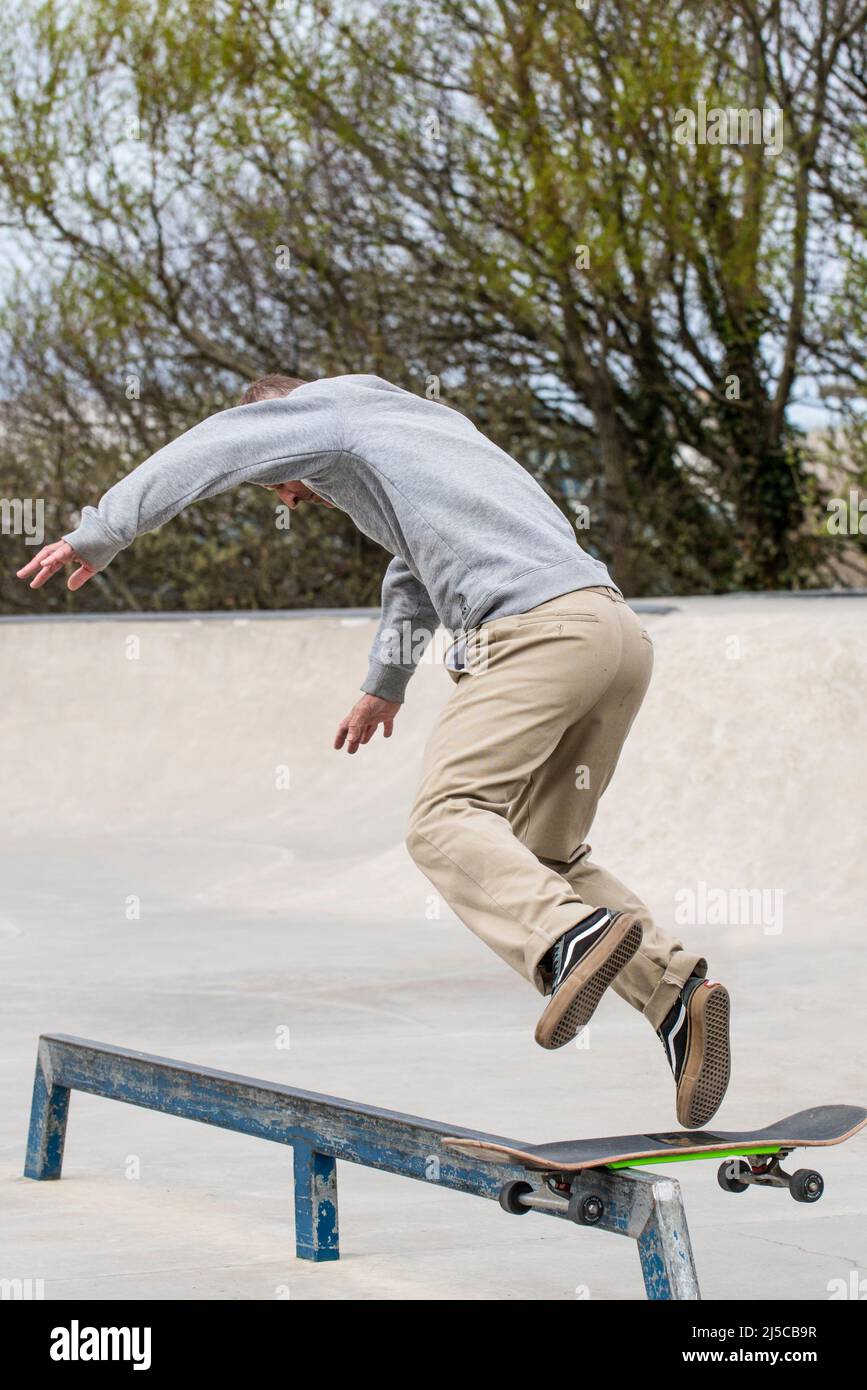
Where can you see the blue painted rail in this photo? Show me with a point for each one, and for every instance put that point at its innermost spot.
(322, 1129)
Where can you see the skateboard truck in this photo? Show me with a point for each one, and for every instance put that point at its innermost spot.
(560, 1194)
(737, 1174)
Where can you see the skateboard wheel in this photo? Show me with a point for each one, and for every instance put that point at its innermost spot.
(730, 1175)
(806, 1185)
(510, 1197)
(586, 1210)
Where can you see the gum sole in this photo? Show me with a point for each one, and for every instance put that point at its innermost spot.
(578, 997)
(708, 1065)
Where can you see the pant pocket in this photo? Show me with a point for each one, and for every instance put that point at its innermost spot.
(525, 619)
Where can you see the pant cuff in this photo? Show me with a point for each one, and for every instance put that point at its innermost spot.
(671, 983)
(543, 938)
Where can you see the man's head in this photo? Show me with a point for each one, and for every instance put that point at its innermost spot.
(269, 388)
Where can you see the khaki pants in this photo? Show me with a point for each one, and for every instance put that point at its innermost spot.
(512, 776)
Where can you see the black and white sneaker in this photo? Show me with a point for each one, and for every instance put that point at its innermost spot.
(583, 963)
(695, 1035)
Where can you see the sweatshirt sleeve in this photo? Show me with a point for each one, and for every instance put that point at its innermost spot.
(272, 441)
(407, 625)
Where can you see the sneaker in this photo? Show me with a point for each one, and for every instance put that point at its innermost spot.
(583, 963)
(695, 1035)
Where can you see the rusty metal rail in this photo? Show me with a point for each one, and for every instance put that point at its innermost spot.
(322, 1129)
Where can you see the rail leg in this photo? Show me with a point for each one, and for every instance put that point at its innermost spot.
(48, 1112)
(664, 1246)
(316, 1231)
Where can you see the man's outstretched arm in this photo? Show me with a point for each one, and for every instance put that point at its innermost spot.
(272, 441)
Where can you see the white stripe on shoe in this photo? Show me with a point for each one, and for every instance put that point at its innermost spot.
(669, 1042)
(596, 926)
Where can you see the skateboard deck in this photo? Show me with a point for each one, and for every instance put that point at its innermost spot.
(819, 1127)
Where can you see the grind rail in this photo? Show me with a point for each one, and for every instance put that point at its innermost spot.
(322, 1129)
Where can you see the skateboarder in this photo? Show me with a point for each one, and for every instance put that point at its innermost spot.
(550, 667)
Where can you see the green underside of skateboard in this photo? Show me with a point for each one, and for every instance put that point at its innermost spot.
(689, 1158)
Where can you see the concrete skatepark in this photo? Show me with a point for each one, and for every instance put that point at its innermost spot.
(190, 870)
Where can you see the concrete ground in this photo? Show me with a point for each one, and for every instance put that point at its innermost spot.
(188, 869)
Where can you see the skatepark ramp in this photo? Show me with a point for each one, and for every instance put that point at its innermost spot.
(191, 869)
(743, 786)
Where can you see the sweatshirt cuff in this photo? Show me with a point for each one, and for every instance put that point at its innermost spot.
(92, 542)
(388, 682)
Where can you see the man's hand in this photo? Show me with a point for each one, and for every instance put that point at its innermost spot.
(360, 724)
(52, 558)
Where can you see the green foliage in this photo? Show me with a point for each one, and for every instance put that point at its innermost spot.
(197, 193)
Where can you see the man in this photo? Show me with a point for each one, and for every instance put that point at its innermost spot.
(550, 667)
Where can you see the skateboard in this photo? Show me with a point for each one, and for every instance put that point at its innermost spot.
(752, 1157)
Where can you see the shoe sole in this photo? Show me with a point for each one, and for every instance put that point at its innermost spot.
(575, 1002)
(707, 1068)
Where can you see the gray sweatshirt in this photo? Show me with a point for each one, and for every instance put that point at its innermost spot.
(474, 536)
